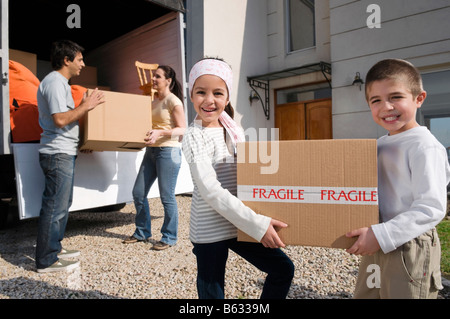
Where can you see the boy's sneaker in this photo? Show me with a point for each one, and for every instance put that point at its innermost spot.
(65, 253)
(60, 265)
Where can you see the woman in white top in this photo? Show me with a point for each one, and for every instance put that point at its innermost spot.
(162, 160)
(216, 212)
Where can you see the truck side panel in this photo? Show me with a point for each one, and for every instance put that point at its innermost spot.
(101, 178)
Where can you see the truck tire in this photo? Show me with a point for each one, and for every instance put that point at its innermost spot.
(9, 213)
(4, 212)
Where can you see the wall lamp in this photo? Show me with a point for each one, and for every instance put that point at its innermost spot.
(253, 96)
(358, 80)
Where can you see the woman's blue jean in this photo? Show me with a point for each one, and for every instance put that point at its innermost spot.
(162, 163)
(211, 262)
(58, 170)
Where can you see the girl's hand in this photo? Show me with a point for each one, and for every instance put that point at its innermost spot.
(271, 238)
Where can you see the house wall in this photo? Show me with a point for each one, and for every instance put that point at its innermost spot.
(413, 30)
(235, 30)
(279, 58)
(250, 36)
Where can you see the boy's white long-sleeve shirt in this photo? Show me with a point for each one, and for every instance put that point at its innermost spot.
(216, 212)
(413, 173)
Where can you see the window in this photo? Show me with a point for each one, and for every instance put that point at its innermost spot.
(435, 112)
(300, 24)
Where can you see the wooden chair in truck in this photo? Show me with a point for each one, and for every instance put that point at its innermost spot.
(145, 72)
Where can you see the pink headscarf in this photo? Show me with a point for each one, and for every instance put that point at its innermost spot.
(223, 71)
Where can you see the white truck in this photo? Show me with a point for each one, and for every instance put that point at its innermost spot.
(148, 31)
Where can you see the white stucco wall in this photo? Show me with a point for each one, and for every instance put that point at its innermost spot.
(250, 36)
(414, 30)
(236, 30)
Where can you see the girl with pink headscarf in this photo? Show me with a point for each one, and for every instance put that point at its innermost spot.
(209, 146)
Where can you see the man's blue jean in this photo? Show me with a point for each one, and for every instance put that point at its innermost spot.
(162, 163)
(58, 170)
(211, 262)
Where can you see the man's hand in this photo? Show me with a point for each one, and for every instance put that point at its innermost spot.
(93, 100)
(88, 103)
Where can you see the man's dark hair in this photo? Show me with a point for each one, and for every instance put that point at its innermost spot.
(62, 49)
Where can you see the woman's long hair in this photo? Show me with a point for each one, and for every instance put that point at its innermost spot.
(175, 86)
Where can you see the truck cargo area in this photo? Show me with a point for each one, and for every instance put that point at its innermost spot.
(114, 34)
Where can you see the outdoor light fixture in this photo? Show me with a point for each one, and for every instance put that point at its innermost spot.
(253, 96)
(358, 80)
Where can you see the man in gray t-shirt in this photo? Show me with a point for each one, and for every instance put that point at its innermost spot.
(55, 96)
(58, 118)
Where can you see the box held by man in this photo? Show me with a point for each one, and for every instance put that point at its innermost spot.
(118, 124)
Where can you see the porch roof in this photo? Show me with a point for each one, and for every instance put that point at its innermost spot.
(263, 81)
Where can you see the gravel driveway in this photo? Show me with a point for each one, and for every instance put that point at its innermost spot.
(110, 269)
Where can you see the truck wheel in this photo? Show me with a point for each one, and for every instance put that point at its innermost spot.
(9, 213)
(4, 213)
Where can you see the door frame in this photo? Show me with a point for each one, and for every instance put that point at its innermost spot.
(4, 91)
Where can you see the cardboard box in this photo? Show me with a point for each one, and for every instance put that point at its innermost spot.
(322, 189)
(119, 124)
(27, 59)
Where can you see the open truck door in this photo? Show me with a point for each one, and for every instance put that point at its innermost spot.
(7, 185)
(4, 92)
(101, 178)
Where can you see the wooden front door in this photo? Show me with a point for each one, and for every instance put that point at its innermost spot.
(304, 120)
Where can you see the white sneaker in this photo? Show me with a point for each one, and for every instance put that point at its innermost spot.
(64, 253)
(60, 265)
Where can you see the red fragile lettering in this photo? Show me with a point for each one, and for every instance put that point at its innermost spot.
(350, 196)
(282, 193)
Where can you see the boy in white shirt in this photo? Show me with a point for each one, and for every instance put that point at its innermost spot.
(401, 254)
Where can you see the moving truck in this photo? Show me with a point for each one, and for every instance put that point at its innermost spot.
(114, 34)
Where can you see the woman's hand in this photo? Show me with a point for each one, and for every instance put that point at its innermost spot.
(152, 136)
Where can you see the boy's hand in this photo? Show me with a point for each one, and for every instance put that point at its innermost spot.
(271, 238)
(366, 244)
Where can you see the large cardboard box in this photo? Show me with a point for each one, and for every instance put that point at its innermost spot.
(322, 189)
(118, 124)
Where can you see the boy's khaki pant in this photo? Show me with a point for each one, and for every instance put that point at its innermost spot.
(412, 271)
